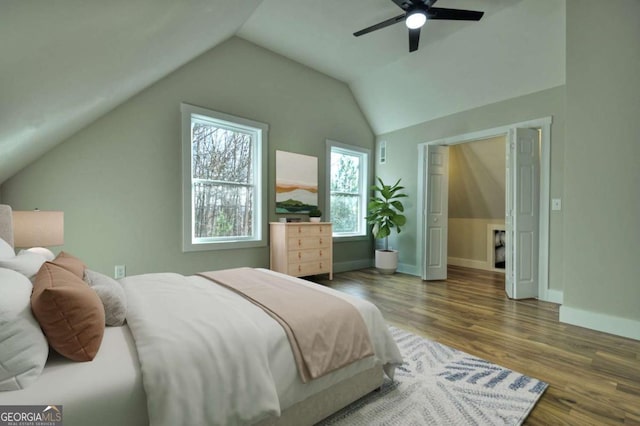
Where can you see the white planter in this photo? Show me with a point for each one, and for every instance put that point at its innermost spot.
(314, 219)
(387, 261)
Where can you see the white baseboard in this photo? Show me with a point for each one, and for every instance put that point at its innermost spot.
(408, 269)
(554, 296)
(601, 322)
(469, 263)
(352, 265)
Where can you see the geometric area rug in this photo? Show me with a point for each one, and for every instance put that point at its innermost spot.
(439, 385)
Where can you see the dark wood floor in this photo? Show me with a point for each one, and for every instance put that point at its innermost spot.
(594, 378)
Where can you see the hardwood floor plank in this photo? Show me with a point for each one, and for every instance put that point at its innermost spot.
(594, 377)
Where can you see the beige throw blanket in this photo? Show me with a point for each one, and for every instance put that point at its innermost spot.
(325, 332)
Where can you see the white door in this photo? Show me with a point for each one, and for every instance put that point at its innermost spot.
(436, 212)
(521, 218)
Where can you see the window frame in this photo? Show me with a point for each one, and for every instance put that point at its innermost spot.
(365, 166)
(259, 132)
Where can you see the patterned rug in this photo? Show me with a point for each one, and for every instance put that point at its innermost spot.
(438, 385)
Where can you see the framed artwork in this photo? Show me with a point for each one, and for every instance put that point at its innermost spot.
(496, 247)
(296, 182)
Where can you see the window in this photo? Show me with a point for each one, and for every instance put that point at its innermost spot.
(223, 180)
(348, 177)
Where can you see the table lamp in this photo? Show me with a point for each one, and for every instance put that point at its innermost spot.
(37, 229)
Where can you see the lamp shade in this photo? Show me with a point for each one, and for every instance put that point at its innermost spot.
(38, 228)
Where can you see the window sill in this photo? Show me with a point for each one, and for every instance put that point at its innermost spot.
(226, 245)
(349, 238)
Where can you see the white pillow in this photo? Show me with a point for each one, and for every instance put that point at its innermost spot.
(23, 347)
(44, 252)
(27, 263)
(6, 251)
(111, 294)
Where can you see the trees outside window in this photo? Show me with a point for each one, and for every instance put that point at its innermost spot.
(222, 180)
(348, 189)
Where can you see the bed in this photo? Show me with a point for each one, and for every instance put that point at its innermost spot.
(111, 389)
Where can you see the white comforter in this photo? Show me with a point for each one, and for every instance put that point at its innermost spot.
(208, 356)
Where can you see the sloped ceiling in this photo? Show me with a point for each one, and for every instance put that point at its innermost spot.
(65, 63)
(517, 48)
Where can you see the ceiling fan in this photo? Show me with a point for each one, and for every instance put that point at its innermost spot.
(417, 12)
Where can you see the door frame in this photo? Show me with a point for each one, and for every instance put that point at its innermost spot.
(544, 125)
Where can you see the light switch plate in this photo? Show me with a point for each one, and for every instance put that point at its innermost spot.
(556, 204)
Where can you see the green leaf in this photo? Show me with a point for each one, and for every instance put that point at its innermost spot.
(384, 209)
(398, 205)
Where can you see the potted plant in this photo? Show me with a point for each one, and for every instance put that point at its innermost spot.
(384, 213)
(315, 215)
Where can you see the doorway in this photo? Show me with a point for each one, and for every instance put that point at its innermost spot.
(477, 188)
(432, 229)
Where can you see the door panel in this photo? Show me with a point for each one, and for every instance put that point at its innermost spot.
(437, 212)
(525, 250)
(435, 197)
(523, 165)
(435, 240)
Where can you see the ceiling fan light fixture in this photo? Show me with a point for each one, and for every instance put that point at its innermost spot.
(416, 19)
(416, 14)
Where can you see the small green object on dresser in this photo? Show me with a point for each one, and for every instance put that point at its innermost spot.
(314, 215)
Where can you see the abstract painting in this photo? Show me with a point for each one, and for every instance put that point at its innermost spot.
(296, 182)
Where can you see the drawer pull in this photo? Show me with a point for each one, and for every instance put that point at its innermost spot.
(299, 243)
(299, 268)
(299, 230)
(299, 255)
(320, 240)
(320, 265)
(321, 253)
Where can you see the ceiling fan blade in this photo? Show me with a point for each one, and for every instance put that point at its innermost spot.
(414, 39)
(403, 4)
(454, 14)
(380, 25)
(406, 4)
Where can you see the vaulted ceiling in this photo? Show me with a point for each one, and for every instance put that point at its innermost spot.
(65, 63)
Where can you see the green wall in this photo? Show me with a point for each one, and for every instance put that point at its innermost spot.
(118, 180)
(602, 171)
(477, 179)
(402, 161)
(595, 157)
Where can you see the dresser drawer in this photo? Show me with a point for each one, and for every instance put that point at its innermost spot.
(308, 242)
(309, 268)
(298, 256)
(308, 230)
(301, 249)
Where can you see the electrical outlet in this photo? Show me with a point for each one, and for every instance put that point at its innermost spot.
(556, 204)
(120, 271)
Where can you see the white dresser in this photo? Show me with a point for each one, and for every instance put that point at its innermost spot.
(301, 248)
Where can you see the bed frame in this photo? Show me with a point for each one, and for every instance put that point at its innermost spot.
(307, 412)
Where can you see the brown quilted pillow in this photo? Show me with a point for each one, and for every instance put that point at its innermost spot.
(70, 263)
(69, 312)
